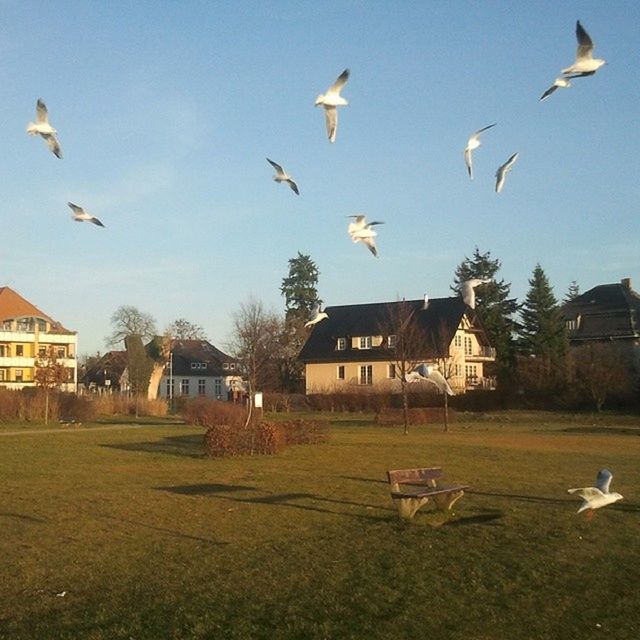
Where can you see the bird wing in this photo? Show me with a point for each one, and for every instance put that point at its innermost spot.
(276, 166)
(336, 87)
(479, 131)
(293, 186)
(370, 224)
(548, 92)
(440, 381)
(75, 208)
(331, 120)
(586, 493)
(502, 172)
(422, 370)
(585, 44)
(468, 161)
(53, 144)
(41, 112)
(604, 480)
(371, 243)
(95, 221)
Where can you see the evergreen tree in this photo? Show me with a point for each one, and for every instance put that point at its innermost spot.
(572, 292)
(494, 308)
(541, 332)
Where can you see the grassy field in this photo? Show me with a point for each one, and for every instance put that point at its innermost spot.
(147, 539)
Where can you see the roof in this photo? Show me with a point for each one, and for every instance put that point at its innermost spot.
(608, 311)
(13, 305)
(439, 321)
(198, 351)
(110, 366)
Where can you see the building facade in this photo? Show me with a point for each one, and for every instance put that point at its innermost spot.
(355, 347)
(27, 335)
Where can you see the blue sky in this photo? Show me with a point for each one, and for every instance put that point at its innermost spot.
(166, 112)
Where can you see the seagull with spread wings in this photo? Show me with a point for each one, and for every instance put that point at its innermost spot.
(473, 143)
(430, 373)
(42, 127)
(361, 231)
(585, 64)
(467, 290)
(503, 169)
(598, 496)
(331, 100)
(80, 215)
(282, 176)
(558, 83)
(316, 316)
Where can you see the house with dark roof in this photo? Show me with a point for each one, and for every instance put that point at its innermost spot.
(107, 374)
(197, 368)
(355, 346)
(606, 314)
(27, 334)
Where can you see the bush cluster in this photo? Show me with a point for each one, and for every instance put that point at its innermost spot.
(204, 412)
(117, 404)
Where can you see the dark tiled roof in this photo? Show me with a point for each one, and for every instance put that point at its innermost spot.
(202, 352)
(606, 311)
(439, 321)
(111, 366)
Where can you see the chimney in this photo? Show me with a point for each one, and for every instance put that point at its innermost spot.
(626, 283)
(425, 304)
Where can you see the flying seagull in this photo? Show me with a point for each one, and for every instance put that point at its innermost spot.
(330, 101)
(80, 215)
(558, 83)
(501, 173)
(282, 176)
(316, 316)
(467, 290)
(432, 374)
(473, 143)
(361, 231)
(598, 496)
(585, 64)
(42, 128)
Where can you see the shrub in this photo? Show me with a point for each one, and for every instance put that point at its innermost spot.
(304, 431)
(417, 415)
(73, 408)
(284, 402)
(204, 412)
(120, 404)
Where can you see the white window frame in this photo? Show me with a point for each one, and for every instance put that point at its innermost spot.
(341, 344)
(365, 375)
(340, 369)
(202, 386)
(391, 370)
(392, 341)
(365, 342)
(184, 386)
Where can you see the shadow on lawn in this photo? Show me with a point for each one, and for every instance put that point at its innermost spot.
(21, 516)
(520, 497)
(190, 446)
(291, 500)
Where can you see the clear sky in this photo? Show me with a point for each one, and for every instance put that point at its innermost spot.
(166, 112)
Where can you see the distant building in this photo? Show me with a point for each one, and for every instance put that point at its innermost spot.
(354, 346)
(26, 333)
(107, 374)
(197, 368)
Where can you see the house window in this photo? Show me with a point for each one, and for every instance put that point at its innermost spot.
(365, 342)
(225, 365)
(468, 346)
(201, 386)
(340, 372)
(19, 350)
(170, 387)
(61, 352)
(392, 341)
(366, 374)
(6, 325)
(2, 351)
(42, 352)
(19, 375)
(341, 344)
(232, 365)
(391, 370)
(457, 341)
(184, 387)
(3, 374)
(471, 373)
(218, 388)
(458, 370)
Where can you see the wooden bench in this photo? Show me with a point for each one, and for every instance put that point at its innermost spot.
(413, 488)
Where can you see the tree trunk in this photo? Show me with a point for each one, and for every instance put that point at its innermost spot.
(46, 407)
(446, 411)
(405, 407)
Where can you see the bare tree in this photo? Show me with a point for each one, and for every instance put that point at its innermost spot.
(49, 375)
(446, 364)
(129, 321)
(182, 329)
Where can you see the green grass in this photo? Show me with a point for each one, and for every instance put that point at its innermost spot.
(150, 540)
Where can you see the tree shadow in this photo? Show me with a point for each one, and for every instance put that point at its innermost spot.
(205, 489)
(520, 497)
(188, 446)
(360, 479)
(21, 516)
(618, 431)
(481, 518)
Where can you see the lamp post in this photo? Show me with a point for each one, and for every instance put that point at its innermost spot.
(171, 381)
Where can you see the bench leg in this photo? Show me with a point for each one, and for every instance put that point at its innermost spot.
(446, 500)
(407, 507)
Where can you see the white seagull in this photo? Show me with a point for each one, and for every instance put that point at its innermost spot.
(42, 128)
(467, 290)
(282, 176)
(432, 374)
(316, 316)
(558, 83)
(361, 231)
(585, 64)
(598, 496)
(331, 100)
(80, 215)
(501, 173)
(473, 143)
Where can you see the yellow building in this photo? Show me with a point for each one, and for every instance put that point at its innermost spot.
(356, 346)
(27, 334)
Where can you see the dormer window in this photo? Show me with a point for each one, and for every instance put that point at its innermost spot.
(232, 365)
(573, 325)
(341, 344)
(225, 365)
(392, 341)
(365, 342)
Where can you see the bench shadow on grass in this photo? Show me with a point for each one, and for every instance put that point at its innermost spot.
(290, 500)
(188, 446)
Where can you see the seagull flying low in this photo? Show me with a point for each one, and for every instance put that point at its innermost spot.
(316, 316)
(430, 373)
(473, 143)
(585, 64)
(501, 173)
(467, 290)
(42, 128)
(558, 83)
(80, 215)
(361, 231)
(598, 496)
(330, 101)
(282, 176)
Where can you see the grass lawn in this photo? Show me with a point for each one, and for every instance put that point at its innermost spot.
(148, 539)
